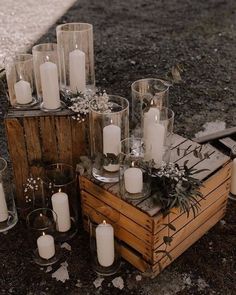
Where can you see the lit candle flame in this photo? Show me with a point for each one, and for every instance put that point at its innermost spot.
(76, 46)
(59, 190)
(44, 233)
(47, 58)
(132, 164)
(41, 215)
(104, 222)
(111, 121)
(152, 102)
(156, 119)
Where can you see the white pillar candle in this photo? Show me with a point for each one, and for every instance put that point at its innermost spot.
(233, 178)
(60, 204)
(50, 85)
(111, 144)
(105, 244)
(149, 117)
(46, 246)
(133, 179)
(77, 71)
(3, 205)
(155, 142)
(23, 92)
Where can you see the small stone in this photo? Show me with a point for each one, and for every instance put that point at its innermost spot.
(98, 282)
(118, 283)
(138, 278)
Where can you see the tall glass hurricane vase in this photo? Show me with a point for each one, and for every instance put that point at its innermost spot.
(76, 57)
(109, 124)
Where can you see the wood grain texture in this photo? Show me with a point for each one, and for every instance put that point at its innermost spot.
(18, 153)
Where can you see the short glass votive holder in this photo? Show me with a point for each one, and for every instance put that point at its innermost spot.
(158, 134)
(8, 213)
(104, 241)
(41, 225)
(46, 73)
(76, 56)
(147, 93)
(134, 171)
(109, 124)
(20, 81)
(60, 187)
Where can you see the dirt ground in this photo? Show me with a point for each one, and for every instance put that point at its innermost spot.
(136, 39)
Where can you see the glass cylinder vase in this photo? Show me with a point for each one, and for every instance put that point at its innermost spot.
(41, 224)
(147, 93)
(60, 187)
(134, 171)
(104, 242)
(76, 56)
(109, 124)
(8, 213)
(20, 81)
(46, 76)
(158, 130)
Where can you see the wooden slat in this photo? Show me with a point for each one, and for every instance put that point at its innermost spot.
(128, 224)
(64, 141)
(128, 210)
(79, 139)
(49, 141)
(177, 140)
(35, 112)
(190, 225)
(216, 135)
(18, 153)
(228, 142)
(196, 235)
(32, 138)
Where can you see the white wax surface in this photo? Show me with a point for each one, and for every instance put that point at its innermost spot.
(77, 71)
(60, 205)
(233, 178)
(46, 246)
(50, 85)
(23, 92)
(152, 115)
(155, 142)
(3, 205)
(133, 178)
(105, 244)
(111, 144)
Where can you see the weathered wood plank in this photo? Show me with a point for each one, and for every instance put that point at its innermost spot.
(49, 140)
(33, 144)
(185, 244)
(64, 140)
(18, 153)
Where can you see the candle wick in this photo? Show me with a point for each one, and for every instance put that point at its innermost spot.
(104, 222)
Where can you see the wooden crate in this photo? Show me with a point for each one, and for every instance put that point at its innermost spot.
(36, 138)
(142, 226)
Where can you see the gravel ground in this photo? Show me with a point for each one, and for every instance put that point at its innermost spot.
(23, 22)
(144, 38)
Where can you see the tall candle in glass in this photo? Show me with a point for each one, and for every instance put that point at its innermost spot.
(76, 56)
(158, 131)
(46, 76)
(108, 126)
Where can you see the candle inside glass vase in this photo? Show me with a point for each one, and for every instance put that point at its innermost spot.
(133, 179)
(111, 144)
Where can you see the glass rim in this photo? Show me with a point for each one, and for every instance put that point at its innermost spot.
(149, 79)
(110, 96)
(169, 111)
(37, 48)
(54, 214)
(60, 28)
(28, 56)
(47, 180)
(4, 166)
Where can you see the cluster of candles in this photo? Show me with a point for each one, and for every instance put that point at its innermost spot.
(49, 81)
(60, 205)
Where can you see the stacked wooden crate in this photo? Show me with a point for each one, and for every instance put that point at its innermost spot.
(37, 138)
(142, 226)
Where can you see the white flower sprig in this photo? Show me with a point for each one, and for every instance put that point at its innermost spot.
(31, 186)
(171, 171)
(79, 104)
